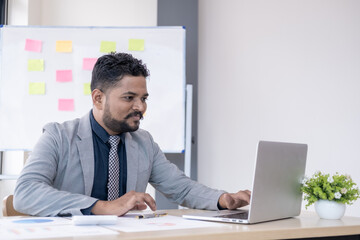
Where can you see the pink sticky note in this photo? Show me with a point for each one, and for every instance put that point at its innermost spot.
(63, 75)
(66, 104)
(88, 63)
(33, 45)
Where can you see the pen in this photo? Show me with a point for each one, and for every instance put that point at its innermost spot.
(151, 215)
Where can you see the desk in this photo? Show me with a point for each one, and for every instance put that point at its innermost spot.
(307, 225)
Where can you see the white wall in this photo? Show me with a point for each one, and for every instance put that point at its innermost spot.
(18, 12)
(96, 13)
(83, 12)
(278, 70)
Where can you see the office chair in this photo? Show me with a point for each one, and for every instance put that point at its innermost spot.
(8, 207)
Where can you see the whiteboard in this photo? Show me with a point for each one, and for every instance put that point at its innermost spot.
(24, 110)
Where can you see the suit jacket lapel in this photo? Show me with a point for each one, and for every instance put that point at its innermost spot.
(132, 161)
(86, 152)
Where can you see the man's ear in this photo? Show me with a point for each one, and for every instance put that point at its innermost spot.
(97, 98)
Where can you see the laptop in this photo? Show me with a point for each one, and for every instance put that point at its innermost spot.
(276, 193)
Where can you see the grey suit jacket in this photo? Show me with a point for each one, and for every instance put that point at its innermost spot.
(59, 174)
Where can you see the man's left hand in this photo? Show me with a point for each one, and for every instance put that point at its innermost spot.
(235, 200)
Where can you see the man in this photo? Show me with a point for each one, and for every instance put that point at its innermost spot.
(102, 162)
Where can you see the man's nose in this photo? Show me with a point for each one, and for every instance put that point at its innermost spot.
(139, 105)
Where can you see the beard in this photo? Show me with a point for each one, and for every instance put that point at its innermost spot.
(120, 126)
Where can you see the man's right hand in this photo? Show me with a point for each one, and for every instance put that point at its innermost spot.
(129, 201)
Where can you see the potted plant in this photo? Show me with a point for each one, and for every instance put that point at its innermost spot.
(330, 193)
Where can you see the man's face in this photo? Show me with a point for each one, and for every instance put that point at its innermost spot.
(125, 105)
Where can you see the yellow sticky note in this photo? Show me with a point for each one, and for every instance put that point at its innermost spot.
(63, 46)
(107, 47)
(87, 89)
(136, 44)
(35, 65)
(36, 88)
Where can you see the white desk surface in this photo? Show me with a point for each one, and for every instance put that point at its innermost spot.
(307, 225)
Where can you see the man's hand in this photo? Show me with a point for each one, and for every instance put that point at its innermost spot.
(129, 201)
(235, 200)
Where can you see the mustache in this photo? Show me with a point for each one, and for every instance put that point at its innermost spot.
(134, 114)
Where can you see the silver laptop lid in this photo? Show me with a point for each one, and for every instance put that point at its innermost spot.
(277, 180)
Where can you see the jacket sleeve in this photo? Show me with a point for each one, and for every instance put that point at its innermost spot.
(175, 185)
(37, 189)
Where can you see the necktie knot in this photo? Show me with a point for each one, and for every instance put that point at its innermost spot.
(114, 140)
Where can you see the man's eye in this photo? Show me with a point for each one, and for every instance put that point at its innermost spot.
(129, 98)
(144, 99)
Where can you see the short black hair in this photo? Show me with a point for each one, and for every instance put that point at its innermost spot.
(111, 68)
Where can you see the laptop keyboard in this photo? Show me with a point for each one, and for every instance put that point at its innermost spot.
(241, 215)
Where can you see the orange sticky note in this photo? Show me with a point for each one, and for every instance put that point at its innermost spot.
(64, 75)
(63, 46)
(66, 104)
(33, 45)
(88, 63)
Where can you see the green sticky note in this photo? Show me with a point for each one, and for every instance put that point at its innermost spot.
(35, 65)
(107, 47)
(87, 89)
(36, 88)
(136, 44)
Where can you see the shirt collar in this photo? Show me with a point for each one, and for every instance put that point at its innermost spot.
(100, 131)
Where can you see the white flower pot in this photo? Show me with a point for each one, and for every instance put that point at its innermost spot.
(330, 209)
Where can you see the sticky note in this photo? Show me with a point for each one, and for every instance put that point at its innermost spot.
(88, 63)
(87, 89)
(35, 65)
(136, 44)
(107, 47)
(33, 45)
(36, 88)
(64, 75)
(66, 104)
(63, 46)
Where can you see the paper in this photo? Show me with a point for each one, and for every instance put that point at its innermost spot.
(107, 47)
(87, 89)
(36, 88)
(35, 65)
(66, 105)
(88, 63)
(49, 227)
(33, 45)
(34, 221)
(136, 44)
(132, 224)
(64, 75)
(63, 231)
(63, 46)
